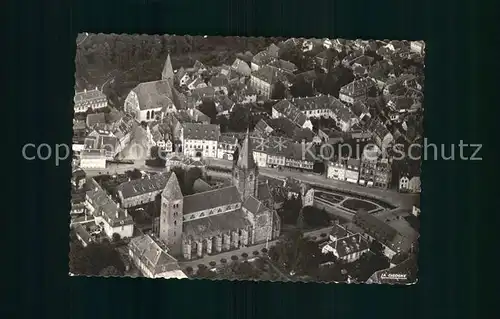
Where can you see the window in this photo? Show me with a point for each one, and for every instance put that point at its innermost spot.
(175, 223)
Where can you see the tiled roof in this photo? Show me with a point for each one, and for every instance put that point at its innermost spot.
(104, 206)
(152, 255)
(253, 205)
(218, 81)
(290, 111)
(357, 87)
(262, 58)
(89, 98)
(95, 118)
(204, 92)
(211, 199)
(143, 186)
(284, 65)
(155, 94)
(351, 244)
(339, 231)
(207, 227)
(172, 189)
(376, 227)
(197, 131)
(200, 186)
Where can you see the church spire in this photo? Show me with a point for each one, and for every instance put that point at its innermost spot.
(168, 71)
(245, 158)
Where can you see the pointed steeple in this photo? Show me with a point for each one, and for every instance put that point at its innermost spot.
(168, 71)
(172, 190)
(245, 157)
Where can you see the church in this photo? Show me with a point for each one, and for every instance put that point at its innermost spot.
(219, 220)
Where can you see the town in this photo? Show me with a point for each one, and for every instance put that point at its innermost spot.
(247, 158)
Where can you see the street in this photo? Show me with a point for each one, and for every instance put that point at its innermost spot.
(393, 197)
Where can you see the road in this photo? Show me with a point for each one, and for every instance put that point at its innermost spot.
(397, 199)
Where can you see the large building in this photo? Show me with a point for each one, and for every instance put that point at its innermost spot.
(218, 220)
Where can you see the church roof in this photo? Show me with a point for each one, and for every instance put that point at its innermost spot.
(200, 186)
(214, 225)
(143, 186)
(211, 199)
(168, 71)
(254, 205)
(245, 158)
(172, 190)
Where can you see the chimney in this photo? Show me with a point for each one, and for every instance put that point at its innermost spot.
(85, 90)
(117, 214)
(96, 88)
(126, 212)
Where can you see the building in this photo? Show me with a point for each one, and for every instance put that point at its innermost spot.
(218, 220)
(356, 90)
(89, 99)
(376, 229)
(409, 184)
(327, 106)
(226, 147)
(152, 260)
(167, 73)
(261, 59)
(286, 108)
(107, 213)
(348, 248)
(93, 159)
(148, 100)
(382, 173)
(141, 191)
(104, 140)
(241, 67)
(417, 46)
(200, 140)
(220, 84)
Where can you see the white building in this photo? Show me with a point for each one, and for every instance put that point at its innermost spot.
(89, 99)
(107, 213)
(348, 249)
(152, 260)
(200, 140)
(95, 159)
(417, 46)
(147, 101)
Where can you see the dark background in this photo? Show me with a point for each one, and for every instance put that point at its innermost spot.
(40, 41)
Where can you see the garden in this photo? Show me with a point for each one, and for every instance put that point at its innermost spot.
(357, 204)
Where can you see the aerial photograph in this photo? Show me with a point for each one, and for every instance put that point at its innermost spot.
(247, 158)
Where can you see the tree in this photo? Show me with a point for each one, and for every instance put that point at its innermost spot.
(134, 174)
(154, 152)
(314, 217)
(301, 88)
(297, 254)
(279, 91)
(376, 247)
(208, 108)
(116, 237)
(92, 259)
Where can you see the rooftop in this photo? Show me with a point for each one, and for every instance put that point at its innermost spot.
(156, 259)
(197, 131)
(211, 199)
(215, 225)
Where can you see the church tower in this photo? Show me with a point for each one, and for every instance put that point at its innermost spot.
(171, 215)
(168, 72)
(245, 172)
